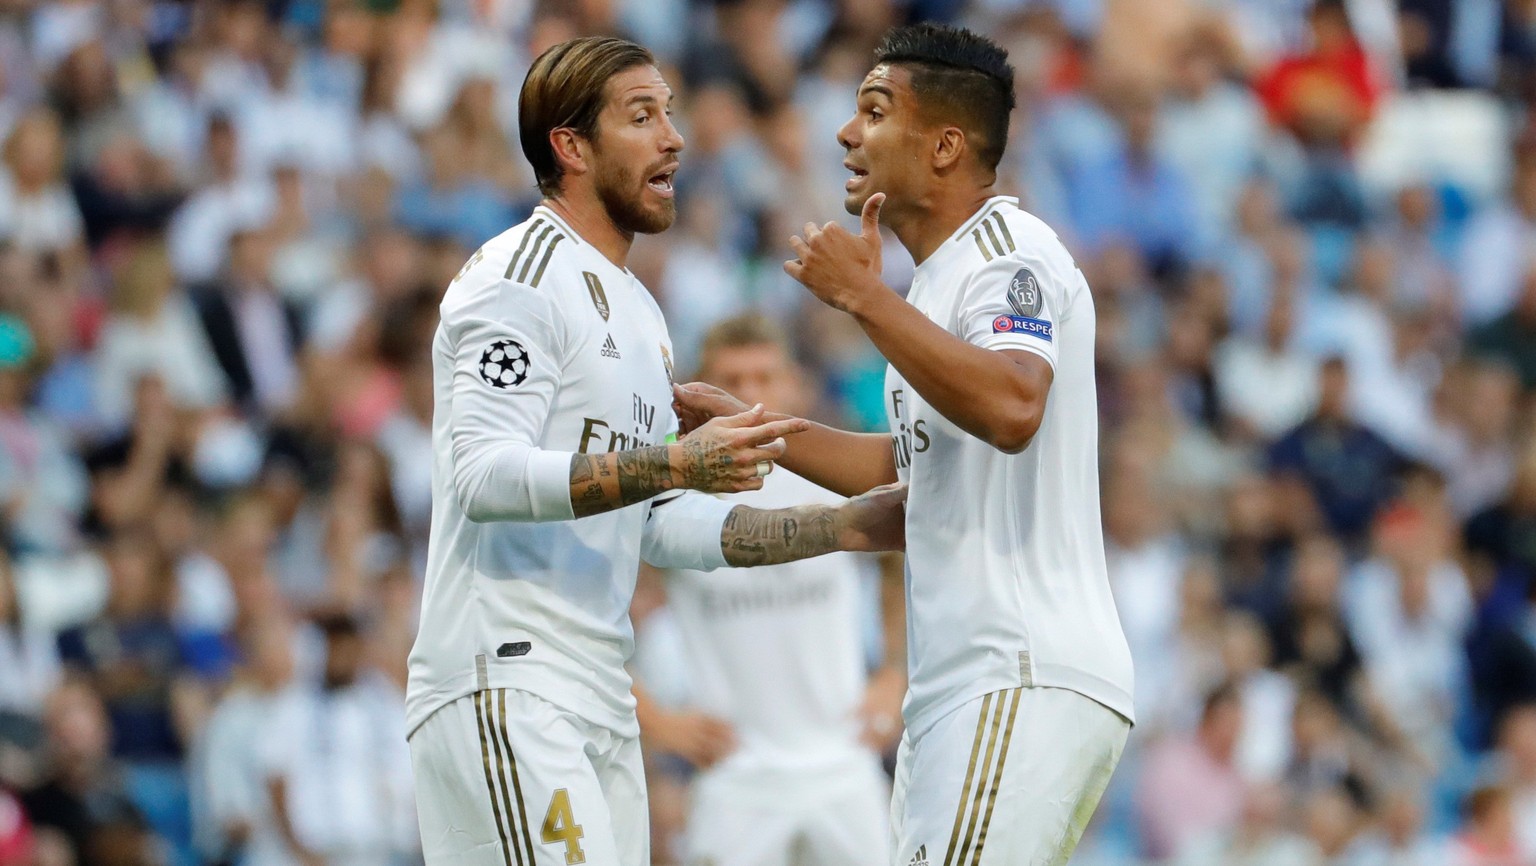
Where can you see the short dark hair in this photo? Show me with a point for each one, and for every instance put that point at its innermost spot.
(565, 89)
(961, 72)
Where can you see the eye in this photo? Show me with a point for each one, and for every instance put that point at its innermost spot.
(643, 117)
(876, 114)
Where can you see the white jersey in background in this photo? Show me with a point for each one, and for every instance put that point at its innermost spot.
(777, 650)
(543, 342)
(1006, 581)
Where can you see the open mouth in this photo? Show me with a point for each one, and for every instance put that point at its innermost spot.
(661, 183)
(858, 175)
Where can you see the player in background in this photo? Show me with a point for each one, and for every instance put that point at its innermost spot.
(555, 470)
(776, 653)
(1019, 701)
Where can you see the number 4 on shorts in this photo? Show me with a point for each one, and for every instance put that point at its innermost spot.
(560, 826)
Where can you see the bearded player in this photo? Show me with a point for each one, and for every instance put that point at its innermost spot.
(556, 469)
(1020, 680)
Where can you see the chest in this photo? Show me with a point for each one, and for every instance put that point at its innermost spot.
(617, 382)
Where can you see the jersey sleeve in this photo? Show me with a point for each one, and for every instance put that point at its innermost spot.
(683, 530)
(1013, 302)
(507, 352)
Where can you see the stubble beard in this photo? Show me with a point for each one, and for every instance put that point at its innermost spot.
(622, 195)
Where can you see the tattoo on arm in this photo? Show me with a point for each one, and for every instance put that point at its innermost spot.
(604, 482)
(752, 536)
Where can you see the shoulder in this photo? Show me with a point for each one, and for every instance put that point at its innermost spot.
(523, 270)
(1001, 237)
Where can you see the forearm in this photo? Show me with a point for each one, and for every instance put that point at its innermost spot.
(605, 482)
(893, 612)
(977, 389)
(753, 536)
(843, 462)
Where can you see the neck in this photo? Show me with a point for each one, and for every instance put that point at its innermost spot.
(925, 226)
(588, 218)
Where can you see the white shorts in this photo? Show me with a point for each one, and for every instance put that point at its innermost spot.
(836, 819)
(505, 778)
(1009, 779)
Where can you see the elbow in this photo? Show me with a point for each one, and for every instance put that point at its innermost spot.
(475, 508)
(1012, 433)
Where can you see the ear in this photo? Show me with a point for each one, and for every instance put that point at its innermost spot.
(951, 145)
(570, 150)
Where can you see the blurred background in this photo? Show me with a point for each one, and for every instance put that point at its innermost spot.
(1311, 233)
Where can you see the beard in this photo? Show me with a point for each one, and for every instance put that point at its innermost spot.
(622, 193)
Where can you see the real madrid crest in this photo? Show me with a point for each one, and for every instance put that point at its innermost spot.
(599, 297)
(666, 361)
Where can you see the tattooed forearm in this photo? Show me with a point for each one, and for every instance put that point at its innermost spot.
(755, 537)
(604, 482)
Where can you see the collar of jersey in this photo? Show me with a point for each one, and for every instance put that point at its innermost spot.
(549, 213)
(981, 213)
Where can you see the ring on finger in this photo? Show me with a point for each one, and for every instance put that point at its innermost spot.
(764, 467)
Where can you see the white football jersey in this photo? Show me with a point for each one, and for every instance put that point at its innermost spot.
(1006, 582)
(543, 342)
(777, 650)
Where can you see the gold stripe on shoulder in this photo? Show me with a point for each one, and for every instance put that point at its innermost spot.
(527, 236)
(970, 773)
(992, 236)
(544, 262)
(980, 245)
(978, 217)
(1002, 226)
(538, 244)
(517, 785)
(490, 784)
(997, 775)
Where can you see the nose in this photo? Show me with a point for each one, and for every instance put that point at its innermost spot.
(671, 140)
(845, 136)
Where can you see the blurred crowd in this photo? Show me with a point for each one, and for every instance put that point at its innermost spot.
(1310, 228)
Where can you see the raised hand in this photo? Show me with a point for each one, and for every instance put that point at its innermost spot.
(838, 266)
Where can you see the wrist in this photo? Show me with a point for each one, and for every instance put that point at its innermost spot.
(867, 299)
(674, 457)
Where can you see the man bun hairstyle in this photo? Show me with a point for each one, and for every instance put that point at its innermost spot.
(961, 75)
(565, 89)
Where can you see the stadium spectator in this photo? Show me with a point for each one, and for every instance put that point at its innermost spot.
(1192, 786)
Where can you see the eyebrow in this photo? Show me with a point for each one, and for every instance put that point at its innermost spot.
(642, 98)
(878, 88)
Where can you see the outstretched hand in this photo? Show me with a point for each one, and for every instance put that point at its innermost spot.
(876, 520)
(839, 267)
(722, 455)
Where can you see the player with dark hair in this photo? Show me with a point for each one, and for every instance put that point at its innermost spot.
(1019, 701)
(556, 469)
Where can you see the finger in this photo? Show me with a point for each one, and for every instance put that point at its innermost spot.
(796, 270)
(811, 231)
(800, 248)
(765, 433)
(743, 419)
(767, 451)
(871, 216)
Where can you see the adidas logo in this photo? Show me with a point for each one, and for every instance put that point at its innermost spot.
(920, 858)
(609, 349)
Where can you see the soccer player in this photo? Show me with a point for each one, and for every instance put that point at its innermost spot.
(555, 472)
(804, 782)
(1019, 701)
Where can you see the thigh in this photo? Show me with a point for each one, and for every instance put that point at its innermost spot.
(853, 829)
(517, 785)
(1063, 754)
(621, 775)
(728, 826)
(1011, 778)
